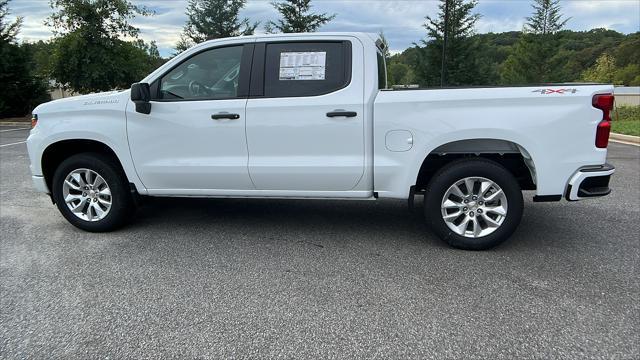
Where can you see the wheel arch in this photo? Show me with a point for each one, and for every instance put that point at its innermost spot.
(514, 157)
(55, 153)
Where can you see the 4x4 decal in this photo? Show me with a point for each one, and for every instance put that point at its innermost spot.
(555, 91)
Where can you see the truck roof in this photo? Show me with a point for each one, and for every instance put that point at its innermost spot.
(361, 35)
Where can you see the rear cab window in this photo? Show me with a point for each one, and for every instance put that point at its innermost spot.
(382, 72)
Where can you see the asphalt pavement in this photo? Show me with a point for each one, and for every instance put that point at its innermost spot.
(226, 278)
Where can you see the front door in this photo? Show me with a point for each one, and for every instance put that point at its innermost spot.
(193, 141)
(305, 121)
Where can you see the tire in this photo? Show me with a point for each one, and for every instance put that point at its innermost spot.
(488, 227)
(76, 169)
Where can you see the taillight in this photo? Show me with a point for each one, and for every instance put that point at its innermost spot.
(602, 134)
(34, 120)
(603, 102)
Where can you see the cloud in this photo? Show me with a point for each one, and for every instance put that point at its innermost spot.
(401, 20)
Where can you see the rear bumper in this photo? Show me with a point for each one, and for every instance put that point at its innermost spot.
(590, 181)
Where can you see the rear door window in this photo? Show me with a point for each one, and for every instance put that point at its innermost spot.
(306, 68)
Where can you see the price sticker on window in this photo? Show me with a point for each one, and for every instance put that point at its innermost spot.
(303, 65)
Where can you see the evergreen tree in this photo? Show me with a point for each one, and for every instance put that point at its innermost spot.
(534, 58)
(8, 31)
(546, 18)
(213, 19)
(460, 64)
(21, 90)
(297, 18)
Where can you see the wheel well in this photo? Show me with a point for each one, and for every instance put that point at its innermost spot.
(505, 153)
(57, 152)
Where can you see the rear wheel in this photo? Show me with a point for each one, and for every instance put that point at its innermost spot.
(473, 204)
(91, 192)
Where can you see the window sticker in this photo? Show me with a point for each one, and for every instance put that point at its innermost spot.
(302, 65)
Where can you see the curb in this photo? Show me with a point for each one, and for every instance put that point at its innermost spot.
(629, 139)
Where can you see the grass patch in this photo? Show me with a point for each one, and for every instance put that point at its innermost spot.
(626, 120)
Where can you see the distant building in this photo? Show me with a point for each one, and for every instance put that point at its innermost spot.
(57, 91)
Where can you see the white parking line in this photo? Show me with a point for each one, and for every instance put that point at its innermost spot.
(15, 129)
(17, 143)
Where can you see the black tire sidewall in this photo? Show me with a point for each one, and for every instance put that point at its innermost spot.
(461, 169)
(121, 201)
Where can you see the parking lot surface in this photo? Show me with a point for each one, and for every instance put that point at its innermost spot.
(214, 278)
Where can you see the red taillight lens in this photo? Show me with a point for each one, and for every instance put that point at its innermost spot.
(602, 134)
(603, 102)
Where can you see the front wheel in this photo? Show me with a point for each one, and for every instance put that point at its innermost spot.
(473, 204)
(91, 192)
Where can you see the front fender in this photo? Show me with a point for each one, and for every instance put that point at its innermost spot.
(108, 130)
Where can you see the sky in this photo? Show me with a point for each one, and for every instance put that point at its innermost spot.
(401, 20)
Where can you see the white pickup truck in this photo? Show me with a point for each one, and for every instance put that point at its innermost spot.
(309, 116)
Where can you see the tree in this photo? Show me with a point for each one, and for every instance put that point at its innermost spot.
(460, 49)
(546, 18)
(151, 52)
(104, 18)
(385, 52)
(213, 19)
(41, 51)
(296, 17)
(576, 51)
(533, 58)
(22, 90)
(627, 56)
(628, 51)
(89, 54)
(628, 75)
(603, 71)
(8, 31)
(399, 74)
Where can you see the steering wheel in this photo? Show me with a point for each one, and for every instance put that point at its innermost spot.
(232, 78)
(197, 89)
(233, 75)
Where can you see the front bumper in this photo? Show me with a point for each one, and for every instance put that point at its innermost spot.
(590, 181)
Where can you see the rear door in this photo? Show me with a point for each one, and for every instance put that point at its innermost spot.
(305, 123)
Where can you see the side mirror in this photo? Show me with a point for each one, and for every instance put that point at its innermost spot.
(141, 95)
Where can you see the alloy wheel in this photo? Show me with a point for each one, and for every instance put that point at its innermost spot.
(474, 207)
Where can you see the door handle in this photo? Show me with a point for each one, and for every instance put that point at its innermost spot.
(337, 113)
(224, 115)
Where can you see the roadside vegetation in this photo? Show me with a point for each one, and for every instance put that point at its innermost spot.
(626, 120)
(95, 47)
